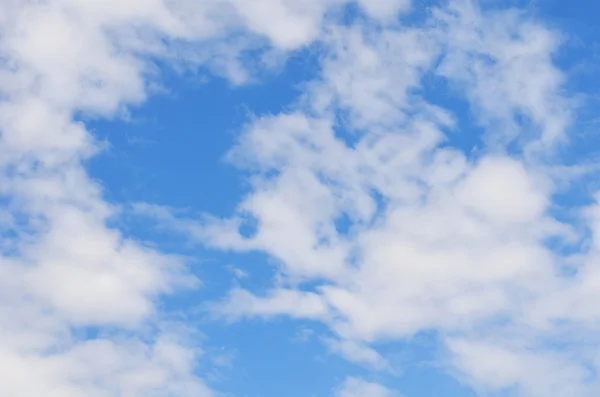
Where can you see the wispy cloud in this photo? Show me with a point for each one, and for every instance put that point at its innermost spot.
(355, 387)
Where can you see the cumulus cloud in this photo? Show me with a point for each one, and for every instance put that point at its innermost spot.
(64, 271)
(438, 239)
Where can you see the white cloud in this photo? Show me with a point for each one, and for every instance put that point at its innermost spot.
(501, 190)
(434, 249)
(355, 387)
(494, 365)
(358, 352)
(503, 62)
(103, 368)
(385, 10)
(63, 269)
(448, 243)
(371, 74)
(280, 302)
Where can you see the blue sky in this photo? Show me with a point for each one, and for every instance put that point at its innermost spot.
(325, 198)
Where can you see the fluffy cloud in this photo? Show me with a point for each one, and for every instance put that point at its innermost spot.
(77, 298)
(436, 239)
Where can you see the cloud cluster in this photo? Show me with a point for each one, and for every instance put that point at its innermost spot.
(358, 191)
(382, 229)
(78, 314)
